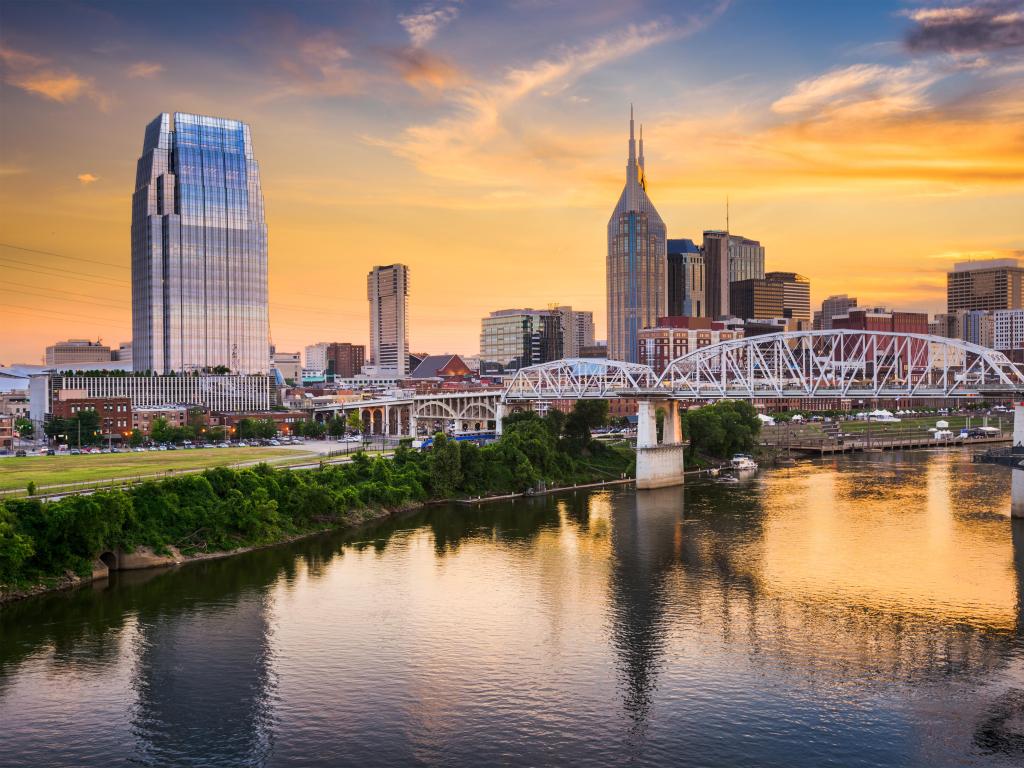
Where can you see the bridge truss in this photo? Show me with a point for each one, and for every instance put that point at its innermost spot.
(832, 364)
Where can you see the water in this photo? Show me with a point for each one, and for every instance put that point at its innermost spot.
(862, 612)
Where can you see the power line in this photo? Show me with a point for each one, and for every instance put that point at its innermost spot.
(52, 312)
(50, 273)
(62, 256)
(88, 298)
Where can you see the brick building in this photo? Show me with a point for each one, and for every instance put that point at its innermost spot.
(673, 337)
(115, 413)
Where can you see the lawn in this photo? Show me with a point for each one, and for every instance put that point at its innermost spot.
(15, 473)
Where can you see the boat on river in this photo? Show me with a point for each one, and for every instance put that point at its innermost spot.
(742, 462)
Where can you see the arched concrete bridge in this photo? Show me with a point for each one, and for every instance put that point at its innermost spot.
(823, 365)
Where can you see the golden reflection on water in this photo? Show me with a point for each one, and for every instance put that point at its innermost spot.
(892, 535)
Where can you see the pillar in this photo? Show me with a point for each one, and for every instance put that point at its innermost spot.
(658, 466)
(1017, 493)
(1018, 425)
(499, 414)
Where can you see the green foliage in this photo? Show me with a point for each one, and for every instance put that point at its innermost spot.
(24, 427)
(15, 548)
(310, 428)
(136, 438)
(585, 416)
(81, 429)
(250, 429)
(31, 488)
(336, 427)
(722, 429)
(444, 466)
(354, 422)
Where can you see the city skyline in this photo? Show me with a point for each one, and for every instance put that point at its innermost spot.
(870, 160)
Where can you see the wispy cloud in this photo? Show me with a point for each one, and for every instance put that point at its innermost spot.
(37, 75)
(145, 69)
(88, 178)
(318, 64)
(425, 22)
(983, 25)
(422, 69)
(872, 89)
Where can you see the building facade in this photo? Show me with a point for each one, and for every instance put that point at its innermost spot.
(992, 284)
(199, 249)
(1008, 330)
(75, 351)
(115, 413)
(796, 299)
(881, 319)
(511, 339)
(344, 359)
(174, 415)
(636, 263)
(756, 299)
(387, 289)
(685, 279)
(289, 365)
(577, 329)
(674, 337)
(835, 305)
(227, 392)
(728, 259)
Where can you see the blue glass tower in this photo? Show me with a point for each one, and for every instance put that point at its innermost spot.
(199, 249)
(637, 260)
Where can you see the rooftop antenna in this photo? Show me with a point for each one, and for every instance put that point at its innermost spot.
(727, 213)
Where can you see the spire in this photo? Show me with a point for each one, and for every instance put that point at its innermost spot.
(632, 142)
(641, 146)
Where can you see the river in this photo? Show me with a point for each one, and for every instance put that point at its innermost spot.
(862, 611)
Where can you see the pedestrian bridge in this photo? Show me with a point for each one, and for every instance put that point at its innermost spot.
(830, 364)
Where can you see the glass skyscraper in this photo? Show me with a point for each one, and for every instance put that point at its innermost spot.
(387, 289)
(199, 249)
(637, 262)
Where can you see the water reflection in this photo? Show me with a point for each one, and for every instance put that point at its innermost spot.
(876, 602)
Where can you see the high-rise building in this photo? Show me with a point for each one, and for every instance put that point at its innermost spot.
(685, 279)
(199, 249)
(77, 351)
(796, 298)
(835, 305)
(387, 289)
(636, 266)
(344, 360)
(1008, 332)
(728, 259)
(515, 338)
(756, 299)
(988, 284)
(316, 356)
(577, 329)
(289, 365)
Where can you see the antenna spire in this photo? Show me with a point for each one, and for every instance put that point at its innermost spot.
(632, 142)
(727, 213)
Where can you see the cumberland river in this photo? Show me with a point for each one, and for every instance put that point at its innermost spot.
(862, 612)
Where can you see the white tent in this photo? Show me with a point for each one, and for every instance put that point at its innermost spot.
(942, 424)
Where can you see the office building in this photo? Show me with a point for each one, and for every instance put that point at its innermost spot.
(636, 265)
(316, 356)
(123, 354)
(577, 330)
(989, 284)
(979, 327)
(76, 351)
(796, 299)
(756, 299)
(685, 279)
(673, 337)
(881, 319)
(387, 289)
(344, 360)
(515, 338)
(289, 365)
(728, 259)
(199, 249)
(1008, 332)
(835, 305)
(114, 413)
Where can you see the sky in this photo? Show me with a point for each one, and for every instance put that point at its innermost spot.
(868, 145)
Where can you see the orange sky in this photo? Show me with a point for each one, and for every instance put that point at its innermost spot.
(868, 148)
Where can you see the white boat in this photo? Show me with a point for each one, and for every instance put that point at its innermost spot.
(741, 461)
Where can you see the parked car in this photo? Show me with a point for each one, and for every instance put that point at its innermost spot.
(20, 452)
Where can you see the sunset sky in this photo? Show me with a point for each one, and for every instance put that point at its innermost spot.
(868, 145)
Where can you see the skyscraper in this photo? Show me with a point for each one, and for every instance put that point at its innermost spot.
(577, 329)
(796, 299)
(387, 289)
(986, 284)
(514, 338)
(685, 279)
(728, 259)
(637, 264)
(199, 249)
(835, 305)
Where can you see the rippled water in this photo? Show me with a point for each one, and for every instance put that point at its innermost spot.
(864, 612)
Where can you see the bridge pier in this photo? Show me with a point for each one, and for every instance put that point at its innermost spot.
(658, 465)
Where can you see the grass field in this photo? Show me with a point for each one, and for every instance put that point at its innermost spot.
(923, 422)
(15, 473)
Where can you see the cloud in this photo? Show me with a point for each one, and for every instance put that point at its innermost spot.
(145, 69)
(317, 65)
(984, 25)
(88, 178)
(460, 147)
(425, 22)
(34, 74)
(420, 68)
(873, 89)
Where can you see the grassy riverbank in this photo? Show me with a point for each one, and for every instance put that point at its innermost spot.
(224, 509)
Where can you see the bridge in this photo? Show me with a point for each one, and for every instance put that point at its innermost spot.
(817, 365)
(409, 415)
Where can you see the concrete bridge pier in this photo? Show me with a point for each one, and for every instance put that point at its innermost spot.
(658, 465)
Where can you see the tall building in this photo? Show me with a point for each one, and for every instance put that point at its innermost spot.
(728, 259)
(835, 305)
(577, 329)
(77, 351)
(636, 265)
(685, 279)
(989, 284)
(344, 360)
(1008, 332)
(199, 249)
(316, 356)
(511, 339)
(796, 298)
(756, 299)
(387, 289)
(289, 365)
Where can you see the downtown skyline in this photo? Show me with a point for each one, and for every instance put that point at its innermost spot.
(870, 160)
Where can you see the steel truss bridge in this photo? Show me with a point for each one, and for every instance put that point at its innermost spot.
(834, 364)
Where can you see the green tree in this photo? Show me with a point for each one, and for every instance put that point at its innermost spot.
(354, 422)
(24, 427)
(15, 547)
(722, 429)
(585, 416)
(160, 430)
(444, 467)
(336, 427)
(136, 438)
